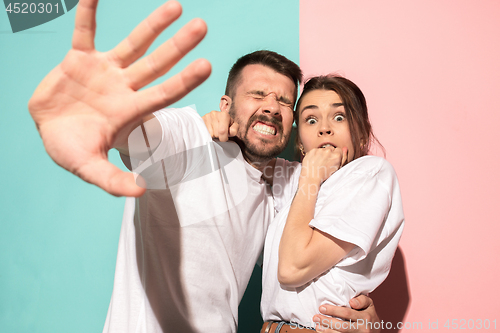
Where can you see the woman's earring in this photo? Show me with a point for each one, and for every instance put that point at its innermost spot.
(301, 149)
(362, 145)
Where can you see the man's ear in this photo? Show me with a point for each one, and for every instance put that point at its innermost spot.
(225, 103)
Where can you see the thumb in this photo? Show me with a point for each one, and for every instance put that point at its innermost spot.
(361, 302)
(233, 129)
(344, 156)
(110, 178)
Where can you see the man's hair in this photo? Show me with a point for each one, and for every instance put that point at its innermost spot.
(355, 108)
(270, 59)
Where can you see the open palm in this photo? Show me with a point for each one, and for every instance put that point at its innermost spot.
(91, 101)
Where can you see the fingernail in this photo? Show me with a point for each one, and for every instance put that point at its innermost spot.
(356, 302)
(322, 309)
(320, 328)
(316, 319)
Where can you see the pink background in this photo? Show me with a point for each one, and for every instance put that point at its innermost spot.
(430, 71)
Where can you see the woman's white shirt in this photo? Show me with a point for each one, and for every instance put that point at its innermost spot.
(360, 204)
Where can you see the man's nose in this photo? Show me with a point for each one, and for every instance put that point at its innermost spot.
(271, 105)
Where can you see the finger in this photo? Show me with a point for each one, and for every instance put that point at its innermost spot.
(223, 132)
(339, 312)
(207, 119)
(167, 55)
(361, 302)
(233, 130)
(170, 91)
(215, 125)
(224, 124)
(366, 310)
(84, 33)
(344, 156)
(140, 39)
(110, 178)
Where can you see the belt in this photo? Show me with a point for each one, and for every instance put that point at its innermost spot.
(282, 327)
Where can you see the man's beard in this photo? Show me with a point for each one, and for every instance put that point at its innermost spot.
(254, 152)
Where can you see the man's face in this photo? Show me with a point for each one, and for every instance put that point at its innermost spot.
(263, 108)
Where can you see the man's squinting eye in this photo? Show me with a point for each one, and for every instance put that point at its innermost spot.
(282, 102)
(257, 96)
(339, 117)
(285, 104)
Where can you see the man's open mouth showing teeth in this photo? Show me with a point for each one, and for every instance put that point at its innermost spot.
(264, 129)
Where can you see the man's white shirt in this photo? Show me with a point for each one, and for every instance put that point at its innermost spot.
(188, 247)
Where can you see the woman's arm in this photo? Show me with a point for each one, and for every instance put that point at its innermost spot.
(305, 252)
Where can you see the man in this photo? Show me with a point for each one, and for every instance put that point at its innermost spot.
(80, 115)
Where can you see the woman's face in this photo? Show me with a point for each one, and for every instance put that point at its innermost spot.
(322, 121)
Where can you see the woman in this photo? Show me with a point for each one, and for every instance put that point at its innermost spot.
(339, 216)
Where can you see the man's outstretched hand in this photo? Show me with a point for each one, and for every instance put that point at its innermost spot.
(90, 102)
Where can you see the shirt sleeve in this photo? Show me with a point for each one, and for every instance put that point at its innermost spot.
(355, 203)
(182, 129)
(183, 135)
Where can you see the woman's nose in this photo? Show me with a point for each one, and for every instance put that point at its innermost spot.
(325, 129)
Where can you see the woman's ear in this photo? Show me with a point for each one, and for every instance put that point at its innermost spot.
(225, 103)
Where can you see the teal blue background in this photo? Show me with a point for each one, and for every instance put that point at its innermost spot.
(59, 235)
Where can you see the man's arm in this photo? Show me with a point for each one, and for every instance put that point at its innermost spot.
(362, 318)
(91, 101)
(220, 125)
